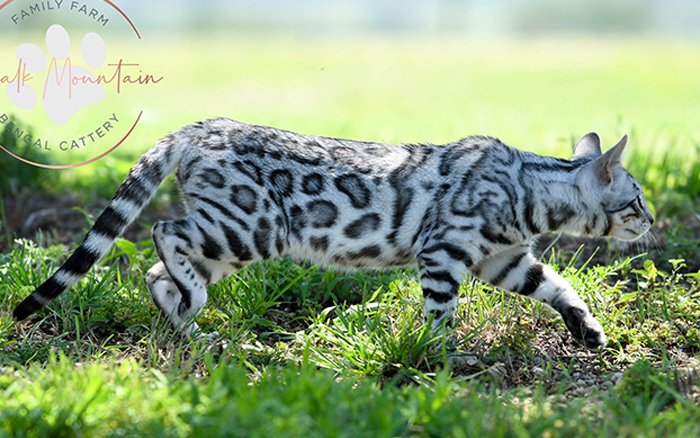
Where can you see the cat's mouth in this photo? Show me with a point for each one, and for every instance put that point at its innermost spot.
(630, 228)
(631, 232)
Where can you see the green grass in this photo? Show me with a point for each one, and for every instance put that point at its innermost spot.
(284, 364)
(123, 399)
(310, 352)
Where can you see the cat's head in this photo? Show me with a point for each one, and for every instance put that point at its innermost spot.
(604, 183)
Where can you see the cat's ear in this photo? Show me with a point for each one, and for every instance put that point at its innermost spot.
(612, 158)
(587, 147)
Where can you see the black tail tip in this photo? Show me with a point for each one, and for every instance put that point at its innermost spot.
(26, 308)
(38, 299)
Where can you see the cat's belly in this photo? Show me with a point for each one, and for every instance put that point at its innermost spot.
(371, 256)
(357, 240)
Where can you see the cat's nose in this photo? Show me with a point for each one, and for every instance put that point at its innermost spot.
(650, 218)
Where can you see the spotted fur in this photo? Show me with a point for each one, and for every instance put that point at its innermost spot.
(254, 193)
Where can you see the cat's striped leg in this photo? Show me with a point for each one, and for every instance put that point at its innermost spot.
(441, 273)
(176, 286)
(516, 270)
(165, 293)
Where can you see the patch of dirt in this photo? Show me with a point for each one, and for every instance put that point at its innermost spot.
(60, 222)
(563, 367)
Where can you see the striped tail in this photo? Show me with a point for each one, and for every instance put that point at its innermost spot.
(131, 198)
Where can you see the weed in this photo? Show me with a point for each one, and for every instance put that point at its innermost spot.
(642, 381)
(682, 243)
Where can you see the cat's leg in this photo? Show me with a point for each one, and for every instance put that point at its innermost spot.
(441, 274)
(516, 270)
(177, 288)
(164, 292)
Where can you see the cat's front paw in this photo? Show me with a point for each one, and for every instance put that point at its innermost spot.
(440, 320)
(584, 328)
(208, 339)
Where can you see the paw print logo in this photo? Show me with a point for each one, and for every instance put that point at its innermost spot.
(67, 88)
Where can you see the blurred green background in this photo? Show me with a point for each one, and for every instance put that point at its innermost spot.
(537, 74)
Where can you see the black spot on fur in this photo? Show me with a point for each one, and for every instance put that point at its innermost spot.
(319, 243)
(262, 238)
(251, 170)
(450, 156)
(558, 216)
(244, 198)
(310, 155)
(322, 214)
(213, 177)
(202, 270)
(298, 221)
(279, 244)
(153, 173)
(282, 182)
(442, 276)
(454, 252)
(185, 294)
(404, 198)
(182, 235)
(235, 244)
(355, 189)
(312, 184)
(210, 247)
(223, 210)
(240, 147)
(186, 169)
(364, 225)
(205, 215)
(494, 237)
(376, 149)
(370, 252)
(608, 224)
(529, 218)
(350, 157)
(437, 314)
(214, 141)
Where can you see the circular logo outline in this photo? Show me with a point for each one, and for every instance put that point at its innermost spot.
(113, 148)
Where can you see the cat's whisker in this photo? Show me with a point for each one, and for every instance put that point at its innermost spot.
(650, 242)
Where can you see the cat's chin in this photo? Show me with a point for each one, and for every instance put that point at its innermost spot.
(628, 234)
(630, 237)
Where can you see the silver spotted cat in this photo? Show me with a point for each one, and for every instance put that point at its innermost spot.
(254, 193)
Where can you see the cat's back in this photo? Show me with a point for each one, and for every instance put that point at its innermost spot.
(224, 141)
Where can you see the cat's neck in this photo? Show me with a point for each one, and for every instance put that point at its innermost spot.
(557, 204)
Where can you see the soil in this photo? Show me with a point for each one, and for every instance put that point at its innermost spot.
(61, 219)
